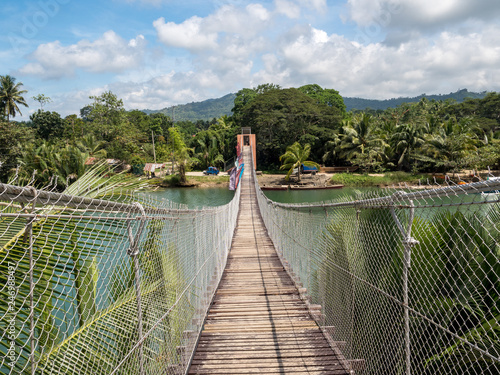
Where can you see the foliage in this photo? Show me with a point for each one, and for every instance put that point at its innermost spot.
(12, 137)
(48, 125)
(281, 117)
(11, 95)
(51, 163)
(64, 256)
(387, 179)
(42, 99)
(192, 112)
(295, 156)
(171, 180)
(382, 105)
(180, 152)
(454, 271)
(427, 135)
(329, 97)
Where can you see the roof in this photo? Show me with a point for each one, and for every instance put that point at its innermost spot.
(151, 167)
(92, 160)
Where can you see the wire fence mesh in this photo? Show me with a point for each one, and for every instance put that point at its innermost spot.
(105, 286)
(408, 281)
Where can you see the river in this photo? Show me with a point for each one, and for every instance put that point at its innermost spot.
(217, 196)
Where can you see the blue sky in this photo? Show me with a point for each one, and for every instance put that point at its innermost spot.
(158, 53)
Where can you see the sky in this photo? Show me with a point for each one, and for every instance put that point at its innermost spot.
(157, 53)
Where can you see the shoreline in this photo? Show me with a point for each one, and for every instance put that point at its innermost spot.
(322, 180)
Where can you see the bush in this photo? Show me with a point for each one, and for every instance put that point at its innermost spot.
(365, 180)
(172, 180)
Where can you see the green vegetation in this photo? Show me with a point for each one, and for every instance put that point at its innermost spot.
(454, 268)
(171, 180)
(422, 137)
(213, 108)
(381, 105)
(218, 180)
(295, 156)
(386, 179)
(10, 96)
(427, 136)
(199, 111)
(63, 258)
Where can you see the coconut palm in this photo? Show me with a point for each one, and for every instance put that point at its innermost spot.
(296, 156)
(406, 140)
(208, 148)
(49, 161)
(64, 258)
(454, 284)
(359, 137)
(92, 146)
(451, 144)
(11, 95)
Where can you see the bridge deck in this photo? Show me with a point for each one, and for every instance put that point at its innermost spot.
(257, 323)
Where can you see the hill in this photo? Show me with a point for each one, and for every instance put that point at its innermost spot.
(205, 110)
(361, 104)
(208, 109)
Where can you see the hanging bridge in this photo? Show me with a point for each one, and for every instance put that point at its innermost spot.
(396, 282)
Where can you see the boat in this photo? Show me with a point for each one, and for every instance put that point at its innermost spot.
(316, 187)
(297, 187)
(274, 187)
(492, 192)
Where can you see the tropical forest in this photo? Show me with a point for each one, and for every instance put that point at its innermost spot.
(428, 136)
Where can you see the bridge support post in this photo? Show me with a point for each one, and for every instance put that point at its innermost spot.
(29, 233)
(408, 243)
(133, 252)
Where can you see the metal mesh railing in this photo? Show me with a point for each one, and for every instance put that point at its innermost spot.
(114, 286)
(408, 281)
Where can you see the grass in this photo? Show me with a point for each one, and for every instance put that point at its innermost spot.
(364, 180)
(174, 180)
(171, 180)
(212, 180)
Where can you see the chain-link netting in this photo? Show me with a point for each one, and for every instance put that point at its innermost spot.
(408, 280)
(105, 286)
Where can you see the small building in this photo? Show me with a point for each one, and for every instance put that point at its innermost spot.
(246, 138)
(151, 168)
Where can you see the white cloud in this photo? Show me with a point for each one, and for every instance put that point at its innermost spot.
(110, 53)
(376, 70)
(421, 15)
(198, 34)
(245, 45)
(189, 34)
(319, 5)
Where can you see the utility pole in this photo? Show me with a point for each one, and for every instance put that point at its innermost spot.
(153, 138)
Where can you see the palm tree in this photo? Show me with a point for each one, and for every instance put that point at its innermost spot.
(50, 161)
(406, 139)
(65, 252)
(92, 146)
(359, 137)
(11, 96)
(296, 156)
(451, 144)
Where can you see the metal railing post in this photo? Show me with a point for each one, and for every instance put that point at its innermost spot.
(29, 230)
(133, 252)
(408, 243)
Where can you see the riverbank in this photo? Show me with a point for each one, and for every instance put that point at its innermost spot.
(194, 179)
(199, 180)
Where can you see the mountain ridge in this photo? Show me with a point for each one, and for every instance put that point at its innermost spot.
(208, 109)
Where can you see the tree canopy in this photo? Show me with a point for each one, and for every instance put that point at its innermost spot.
(423, 136)
(280, 117)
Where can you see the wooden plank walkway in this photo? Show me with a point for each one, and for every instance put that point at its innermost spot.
(258, 324)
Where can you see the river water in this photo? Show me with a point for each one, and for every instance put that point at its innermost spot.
(217, 196)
